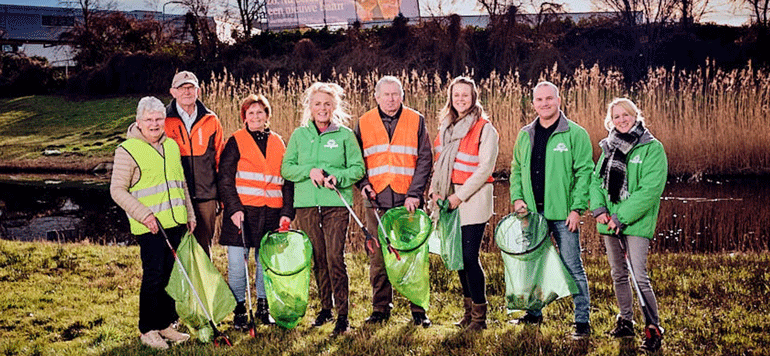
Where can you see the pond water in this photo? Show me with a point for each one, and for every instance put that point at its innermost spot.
(713, 215)
(60, 208)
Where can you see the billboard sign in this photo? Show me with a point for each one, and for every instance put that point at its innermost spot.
(299, 13)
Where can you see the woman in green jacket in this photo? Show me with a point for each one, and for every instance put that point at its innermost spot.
(323, 154)
(625, 198)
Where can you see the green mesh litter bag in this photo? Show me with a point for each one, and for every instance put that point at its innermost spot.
(446, 238)
(534, 274)
(211, 287)
(286, 258)
(408, 234)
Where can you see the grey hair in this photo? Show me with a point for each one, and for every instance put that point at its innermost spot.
(340, 115)
(149, 104)
(546, 84)
(388, 79)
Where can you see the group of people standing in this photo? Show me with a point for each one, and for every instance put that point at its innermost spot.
(263, 184)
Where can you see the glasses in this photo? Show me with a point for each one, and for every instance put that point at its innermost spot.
(187, 88)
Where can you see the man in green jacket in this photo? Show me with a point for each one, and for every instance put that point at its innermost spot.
(550, 174)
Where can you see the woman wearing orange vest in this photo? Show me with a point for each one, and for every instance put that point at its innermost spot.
(466, 149)
(255, 197)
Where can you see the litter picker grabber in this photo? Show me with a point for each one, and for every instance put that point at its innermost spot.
(252, 326)
(384, 233)
(217, 334)
(369, 237)
(642, 300)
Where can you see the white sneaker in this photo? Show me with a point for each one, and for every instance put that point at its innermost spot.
(171, 334)
(153, 339)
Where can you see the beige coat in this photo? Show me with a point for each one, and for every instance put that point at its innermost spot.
(476, 195)
(125, 173)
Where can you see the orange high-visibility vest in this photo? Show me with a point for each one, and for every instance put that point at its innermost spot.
(467, 159)
(258, 179)
(390, 163)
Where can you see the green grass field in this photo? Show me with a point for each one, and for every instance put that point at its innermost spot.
(31, 124)
(81, 299)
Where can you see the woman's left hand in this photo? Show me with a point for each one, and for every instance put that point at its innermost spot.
(454, 201)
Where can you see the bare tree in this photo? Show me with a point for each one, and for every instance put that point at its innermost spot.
(759, 9)
(88, 9)
(197, 21)
(691, 11)
(548, 11)
(439, 8)
(653, 11)
(249, 11)
(497, 8)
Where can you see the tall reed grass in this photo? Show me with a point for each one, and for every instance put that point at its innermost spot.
(711, 121)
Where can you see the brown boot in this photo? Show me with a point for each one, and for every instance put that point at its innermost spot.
(466, 320)
(478, 317)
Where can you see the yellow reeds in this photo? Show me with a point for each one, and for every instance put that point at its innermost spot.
(710, 120)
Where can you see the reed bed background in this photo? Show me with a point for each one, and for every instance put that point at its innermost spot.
(711, 122)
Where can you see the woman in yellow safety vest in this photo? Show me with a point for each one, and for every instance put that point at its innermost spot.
(148, 183)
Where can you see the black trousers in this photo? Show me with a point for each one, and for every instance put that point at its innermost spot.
(472, 275)
(156, 307)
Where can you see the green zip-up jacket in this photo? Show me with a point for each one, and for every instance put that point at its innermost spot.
(646, 173)
(568, 166)
(336, 151)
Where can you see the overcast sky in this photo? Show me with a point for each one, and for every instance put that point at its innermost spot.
(722, 11)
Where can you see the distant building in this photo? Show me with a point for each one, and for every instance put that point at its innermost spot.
(35, 30)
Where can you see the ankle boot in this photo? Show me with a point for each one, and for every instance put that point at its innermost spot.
(478, 317)
(466, 320)
(263, 312)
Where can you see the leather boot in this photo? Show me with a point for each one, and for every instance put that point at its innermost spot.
(466, 320)
(263, 312)
(478, 317)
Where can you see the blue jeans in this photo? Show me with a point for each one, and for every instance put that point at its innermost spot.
(569, 251)
(236, 273)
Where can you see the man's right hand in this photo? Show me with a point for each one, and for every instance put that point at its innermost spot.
(151, 223)
(237, 218)
(368, 192)
(520, 207)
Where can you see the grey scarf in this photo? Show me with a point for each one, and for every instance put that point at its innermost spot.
(614, 168)
(451, 135)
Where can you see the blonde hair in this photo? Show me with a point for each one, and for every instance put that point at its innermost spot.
(340, 115)
(448, 112)
(628, 106)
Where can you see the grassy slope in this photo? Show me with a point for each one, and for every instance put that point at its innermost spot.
(88, 128)
(80, 299)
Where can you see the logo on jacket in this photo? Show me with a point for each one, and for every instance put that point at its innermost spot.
(331, 144)
(636, 159)
(561, 147)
